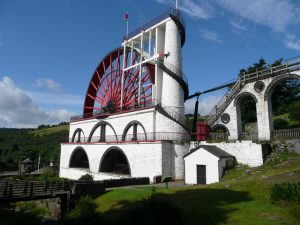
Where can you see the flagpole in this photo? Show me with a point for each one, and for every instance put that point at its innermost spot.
(127, 26)
(176, 5)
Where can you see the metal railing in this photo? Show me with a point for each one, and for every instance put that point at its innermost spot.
(288, 65)
(139, 137)
(161, 17)
(286, 134)
(248, 136)
(175, 70)
(174, 114)
(108, 112)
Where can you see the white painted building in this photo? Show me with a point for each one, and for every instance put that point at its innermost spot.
(206, 164)
(133, 118)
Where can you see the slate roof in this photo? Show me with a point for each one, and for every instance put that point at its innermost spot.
(211, 149)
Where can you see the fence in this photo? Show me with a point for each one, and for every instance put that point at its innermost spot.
(248, 136)
(151, 136)
(286, 134)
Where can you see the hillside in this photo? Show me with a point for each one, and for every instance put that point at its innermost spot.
(243, 197)
(18, 144)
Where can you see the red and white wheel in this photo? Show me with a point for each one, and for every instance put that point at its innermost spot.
(104, 91)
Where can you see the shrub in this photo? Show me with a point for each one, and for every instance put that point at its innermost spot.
(289, 192)
(294, 111)
(280, 123)
(87, 177)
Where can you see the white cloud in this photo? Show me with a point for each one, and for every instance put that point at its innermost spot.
(210, 36)
(18, 109)
(193, 8)
(206, 104)
(237, 24)
(276, 14)
(292, 42)
(50, 84)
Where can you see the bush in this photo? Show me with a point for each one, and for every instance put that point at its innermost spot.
(280, 123)
(289, 192)
(87, 177)
(294, 111)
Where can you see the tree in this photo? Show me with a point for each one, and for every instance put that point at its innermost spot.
(294, 111)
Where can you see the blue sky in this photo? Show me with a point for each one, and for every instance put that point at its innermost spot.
(50, 48)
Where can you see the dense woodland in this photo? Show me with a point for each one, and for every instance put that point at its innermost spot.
(18, 144)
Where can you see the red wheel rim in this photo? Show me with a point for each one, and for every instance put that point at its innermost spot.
(104, 91)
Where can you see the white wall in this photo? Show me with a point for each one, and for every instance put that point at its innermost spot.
(201, 157)
(144, 159)
(245, 152)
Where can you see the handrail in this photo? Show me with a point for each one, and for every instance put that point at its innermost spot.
(143, 137)
(175, 70)
(108, 112)
(288, 65)
(161, 17)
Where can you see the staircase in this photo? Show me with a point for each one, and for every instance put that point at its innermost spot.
(172, 115)
(176, 74)
(287, 66)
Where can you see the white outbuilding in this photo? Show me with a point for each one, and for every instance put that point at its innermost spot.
(206, 164)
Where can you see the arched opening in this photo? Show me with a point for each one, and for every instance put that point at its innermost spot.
(134, 131)
(79, 159)
(283, 96)
(103, 132)
(247, 116)
(219, 132)
(114, 161)
(78, 136)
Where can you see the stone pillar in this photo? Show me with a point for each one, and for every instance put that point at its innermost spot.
(172, 92)
(264, 119)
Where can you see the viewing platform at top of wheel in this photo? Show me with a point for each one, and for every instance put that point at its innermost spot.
(171, 12)
(108, 112)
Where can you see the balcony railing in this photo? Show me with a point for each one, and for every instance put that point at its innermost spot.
(156, 20)
(248, 136)
(286, 134)
(108, 112)
(139, 137)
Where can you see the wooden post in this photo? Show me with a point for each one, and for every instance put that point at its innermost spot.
(31, 190)
(10, 190)
(25, 188)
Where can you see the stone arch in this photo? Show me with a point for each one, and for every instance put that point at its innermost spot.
(114, 160)
(242, 95)
(242, 134)
(77, 133)
(102, 125)
(272, 85)
(216, 126)
(133, 124)
(79, 159)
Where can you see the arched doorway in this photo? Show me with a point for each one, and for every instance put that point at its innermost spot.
(114, 161)
(79, 159)
(219, 132)
(283, 96)
(78, 136)
(134, 131)
(246, 116)
(103, 132)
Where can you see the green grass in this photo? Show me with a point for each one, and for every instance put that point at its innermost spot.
(290, 123)
(50, 130)
(240, 198)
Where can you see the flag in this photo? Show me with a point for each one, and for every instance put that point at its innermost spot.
(125, 16)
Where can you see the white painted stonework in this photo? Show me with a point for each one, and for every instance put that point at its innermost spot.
(245, 152)
(201, 157)
(145, 160)
(263, 108)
